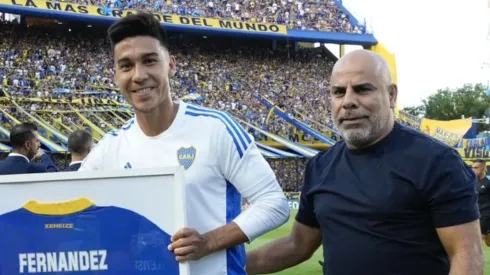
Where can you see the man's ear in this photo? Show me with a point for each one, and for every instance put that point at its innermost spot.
(28, 145)
(171, 66)
(393, 95)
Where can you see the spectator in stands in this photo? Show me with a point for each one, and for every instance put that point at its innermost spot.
(26, 147)
(388, 199)
(80, 143)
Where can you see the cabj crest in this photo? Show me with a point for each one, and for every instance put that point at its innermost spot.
(186, 156)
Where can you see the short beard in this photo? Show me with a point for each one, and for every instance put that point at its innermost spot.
(363, 137)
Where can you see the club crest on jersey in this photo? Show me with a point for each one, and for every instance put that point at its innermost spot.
(186, 156)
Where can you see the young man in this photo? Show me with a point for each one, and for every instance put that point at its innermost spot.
(480, 168)
(80, 143)
(26, 147)
(221, 161)
(385, 200)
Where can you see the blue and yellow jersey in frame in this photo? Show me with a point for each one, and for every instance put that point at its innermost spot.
(79, 237)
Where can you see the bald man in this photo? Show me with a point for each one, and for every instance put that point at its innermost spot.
(388, 199)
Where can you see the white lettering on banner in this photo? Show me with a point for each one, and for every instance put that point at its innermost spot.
(63, 261)
(293, 204)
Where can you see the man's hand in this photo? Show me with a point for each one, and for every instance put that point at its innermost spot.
(188, 244)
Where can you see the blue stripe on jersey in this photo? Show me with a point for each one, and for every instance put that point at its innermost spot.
(232, 134)
(125, 127)
(245, 133)
(235, 256)
(237, 129)
(239, 149)
(128, 124)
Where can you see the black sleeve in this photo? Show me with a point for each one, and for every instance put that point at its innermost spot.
(450, 191)
(306, 213)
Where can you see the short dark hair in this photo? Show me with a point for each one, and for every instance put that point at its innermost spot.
(480, 161)
(79, 142)
(21, 133)
(136, 24)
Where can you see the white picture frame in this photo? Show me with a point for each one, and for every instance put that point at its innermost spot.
(156, 193)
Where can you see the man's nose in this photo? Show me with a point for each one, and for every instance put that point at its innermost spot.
(350, 98)
(140, 73)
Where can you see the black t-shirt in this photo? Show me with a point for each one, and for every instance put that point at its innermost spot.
(378, 207)
(483, 188)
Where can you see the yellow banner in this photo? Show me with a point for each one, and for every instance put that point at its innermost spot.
(450, 132)
(212, 23)
(300, 138)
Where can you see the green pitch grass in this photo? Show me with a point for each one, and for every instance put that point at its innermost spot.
(311, 266)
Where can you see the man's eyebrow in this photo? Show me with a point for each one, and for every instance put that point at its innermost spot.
(356, 87)
(152, 54)
(334, 87)
(364, 84)
(145, 55)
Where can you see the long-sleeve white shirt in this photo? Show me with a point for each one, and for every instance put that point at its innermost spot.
(222, 165)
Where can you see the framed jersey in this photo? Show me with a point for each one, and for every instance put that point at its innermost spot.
(100, 222)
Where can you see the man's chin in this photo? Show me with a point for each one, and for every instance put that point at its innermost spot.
(353, 127)
(144, 108)
(354, 133)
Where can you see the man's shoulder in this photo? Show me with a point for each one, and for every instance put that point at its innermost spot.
(114, 136)
(414, 150)
(325, 158)
(10, 164)
(11, 160)
(412, 139)
(206, 116)
(422, 157)
(214, 122)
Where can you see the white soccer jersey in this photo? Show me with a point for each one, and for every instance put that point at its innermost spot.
(222, 163)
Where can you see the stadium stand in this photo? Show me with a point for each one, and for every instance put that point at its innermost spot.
(46, 71)
(61, 75)
(320, 15)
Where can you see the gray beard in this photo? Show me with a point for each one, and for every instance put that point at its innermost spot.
(362, 137)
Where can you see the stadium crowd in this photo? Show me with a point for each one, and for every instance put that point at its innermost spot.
(54, 63)
(319, 15)
(226, 78)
